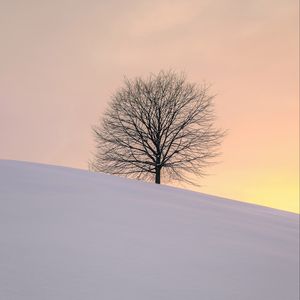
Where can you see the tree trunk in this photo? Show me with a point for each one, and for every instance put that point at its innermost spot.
(157, 175)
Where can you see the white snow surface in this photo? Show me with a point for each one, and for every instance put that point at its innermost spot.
(68, 234)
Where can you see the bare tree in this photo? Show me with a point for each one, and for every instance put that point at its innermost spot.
(161, 127)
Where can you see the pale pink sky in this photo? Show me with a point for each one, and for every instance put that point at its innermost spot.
(61, 60)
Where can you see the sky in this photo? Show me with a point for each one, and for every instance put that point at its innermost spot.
(60, 62)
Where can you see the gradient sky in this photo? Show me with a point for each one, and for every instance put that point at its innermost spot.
(61, 60)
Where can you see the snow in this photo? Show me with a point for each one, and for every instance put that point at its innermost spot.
(71, 234)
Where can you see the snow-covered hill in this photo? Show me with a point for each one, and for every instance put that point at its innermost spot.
(68, 234)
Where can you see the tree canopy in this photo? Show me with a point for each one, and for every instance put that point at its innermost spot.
(159, 127)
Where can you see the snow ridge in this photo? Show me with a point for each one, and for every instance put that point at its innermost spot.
(72, 234)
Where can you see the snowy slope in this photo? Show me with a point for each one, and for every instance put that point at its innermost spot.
(67, 234)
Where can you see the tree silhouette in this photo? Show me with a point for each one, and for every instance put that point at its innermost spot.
(160, 127)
